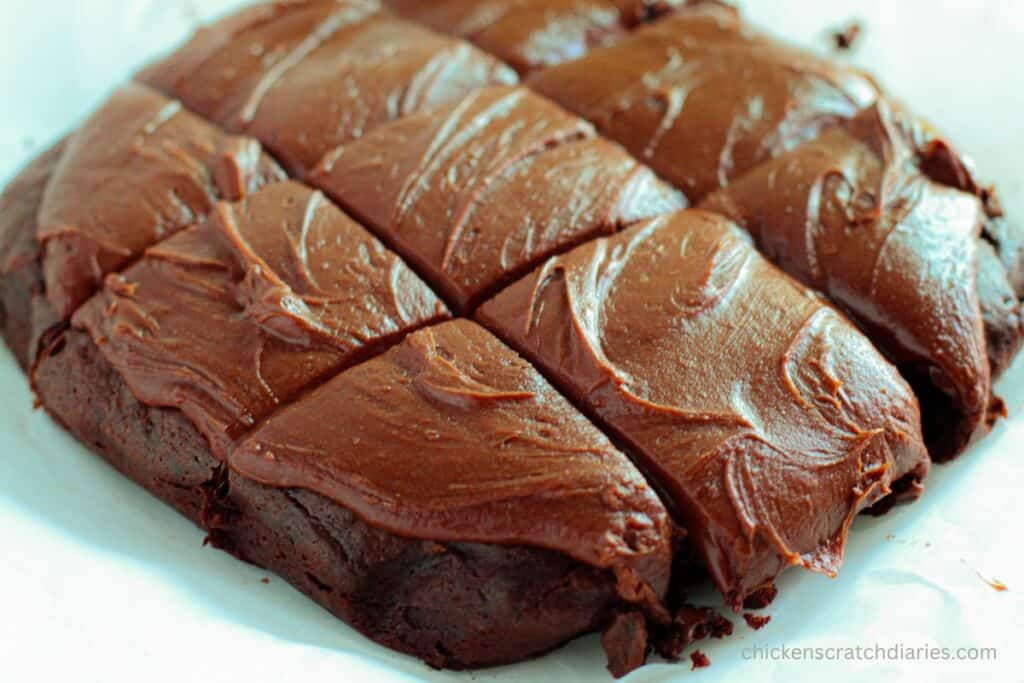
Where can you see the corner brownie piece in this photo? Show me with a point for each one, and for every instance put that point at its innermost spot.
(1000, 248)
(230, 319)
(853, 215)
(478, 192)
(138, 170)
(764, 416)
(701, 97)
(531, 34)
(322, 74)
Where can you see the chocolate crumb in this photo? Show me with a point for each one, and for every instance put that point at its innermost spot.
(625, 643)
(756, 621)
(265, 580)
(846, 37)
(689, 624)
(761, 598)
(699, 659)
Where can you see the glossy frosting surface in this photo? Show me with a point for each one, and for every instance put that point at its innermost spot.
(19, 207)
(226, 64)
(701, 97)
(852, 215)
(451, 436)
(139, 169)
(479, 191)
(230, 319)
(319, 74)
(765, 416)
(531, 34)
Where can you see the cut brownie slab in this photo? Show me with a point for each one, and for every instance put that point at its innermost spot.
(230, 319)
(140, 169)
(320, 75)
(530, 34)
(219, 69)
(452, 604)
(451, 436)
(853, 215)
(479, 191)
(701, 97)
(766, 418)
(1000, 249)
(706, 100)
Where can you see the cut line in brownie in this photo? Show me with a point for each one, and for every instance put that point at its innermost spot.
(701, 97)
(451, 436)
(765, 418)
(232, 331)
(320, 75)
(853, 215)
(216, 72)
(721, 111)
(532, 34)
(138, 170)
(454, 605)
(477, 192)
(231, 319)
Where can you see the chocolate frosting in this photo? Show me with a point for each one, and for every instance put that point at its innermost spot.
(530, 34)
(450, 436)
(1000, 309)
(1007, 239)
(767, 441)
(379, 71)
(478, 192)
(851, 215)
(231, 319)
(140, 169)
(19, 208)
(701, 97)
(1000, 249)
(219, 69)
(320, 74)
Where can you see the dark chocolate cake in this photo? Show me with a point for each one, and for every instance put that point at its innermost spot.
(452, 354)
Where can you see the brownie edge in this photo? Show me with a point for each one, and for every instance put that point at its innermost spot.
(454, 605)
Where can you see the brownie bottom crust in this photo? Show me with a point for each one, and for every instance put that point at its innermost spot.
(454, 605)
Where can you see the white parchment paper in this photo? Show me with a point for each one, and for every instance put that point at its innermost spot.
(100, 582)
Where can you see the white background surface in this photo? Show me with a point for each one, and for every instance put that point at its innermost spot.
(100, 582)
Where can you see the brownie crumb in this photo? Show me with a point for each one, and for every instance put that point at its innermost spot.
(689, 625)
(756, 621)
(265, 580)
(700, 660)
(625, 643)
(845, 38)
(997, 410)
(761, 598)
